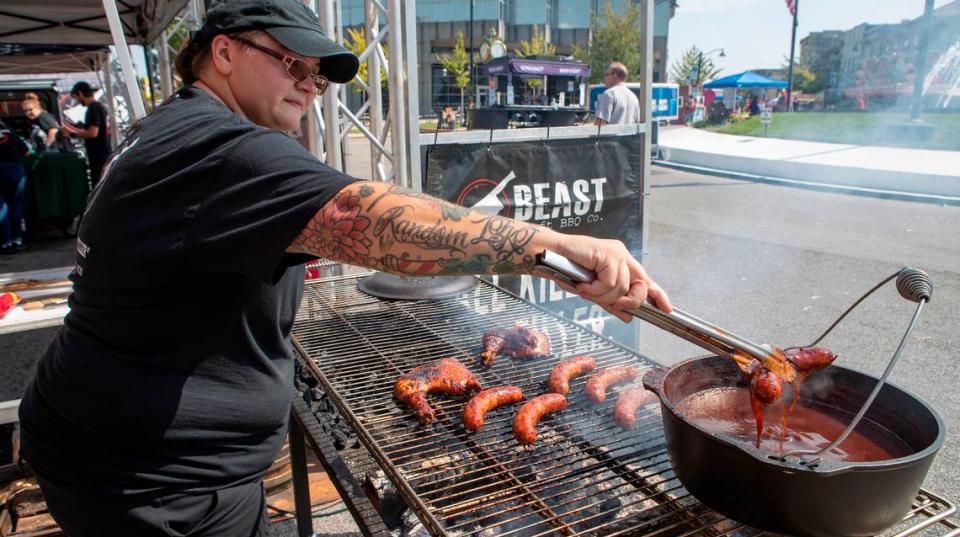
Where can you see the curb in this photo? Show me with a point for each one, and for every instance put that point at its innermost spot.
(814, 185)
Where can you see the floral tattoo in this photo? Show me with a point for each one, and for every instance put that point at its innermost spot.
(337, 231)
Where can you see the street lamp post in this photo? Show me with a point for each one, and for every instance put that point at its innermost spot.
(700, 59)
(470, 48)
(702, 56)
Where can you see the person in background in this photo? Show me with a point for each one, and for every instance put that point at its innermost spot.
(449, 118)
(44, 129)
(12, 182)
(617, 105)
(94, 134)
(754, 106)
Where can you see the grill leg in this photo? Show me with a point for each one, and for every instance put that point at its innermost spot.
(301, 482)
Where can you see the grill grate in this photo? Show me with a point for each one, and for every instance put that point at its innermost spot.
(584, 475)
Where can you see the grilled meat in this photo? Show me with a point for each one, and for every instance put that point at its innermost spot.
(487, 400)
(493, 342)
(447, 376)
(530, 414)
(560, 375)
(809, 359)
(517, 342)
(597, 384)
(625, 409)
(765, 388)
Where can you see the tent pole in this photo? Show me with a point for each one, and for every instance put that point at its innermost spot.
(166, 77)
(126, 64)
(149, 63)
(111, 104)
(331, 113)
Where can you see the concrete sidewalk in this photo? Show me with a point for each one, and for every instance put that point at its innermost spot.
(894, 169)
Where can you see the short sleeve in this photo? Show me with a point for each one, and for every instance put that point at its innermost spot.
(47, 122)
(94, 116)
(604, 106)
(266, 191)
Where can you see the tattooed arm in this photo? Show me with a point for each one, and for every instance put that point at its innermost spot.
(388, 228)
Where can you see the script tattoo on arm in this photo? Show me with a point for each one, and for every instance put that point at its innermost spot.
(393, 228)
(389, 228)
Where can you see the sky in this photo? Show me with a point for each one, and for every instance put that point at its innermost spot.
(755, 34)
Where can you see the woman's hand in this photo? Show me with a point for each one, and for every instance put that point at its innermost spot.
(621, 283)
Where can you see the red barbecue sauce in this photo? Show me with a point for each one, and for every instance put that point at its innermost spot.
(729, 411)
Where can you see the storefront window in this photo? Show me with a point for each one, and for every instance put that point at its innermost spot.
(573, 14)
(457, 10)
(442, 89)
(528, 12)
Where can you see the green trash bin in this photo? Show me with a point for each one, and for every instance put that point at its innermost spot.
(56, 188)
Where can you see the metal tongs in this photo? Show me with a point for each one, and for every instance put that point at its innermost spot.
(682, 324)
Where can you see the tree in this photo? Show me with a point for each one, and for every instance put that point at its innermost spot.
(617, 37)
(457, 65)
(356, 43)
(693, 68)
(804, 79)
(537, 44)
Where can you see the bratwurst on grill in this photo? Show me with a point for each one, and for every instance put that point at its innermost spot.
(562, 373)
(487, 400)
(445, 376)
(529, 415)
(597, 384)
(516, 342)
(625, 409)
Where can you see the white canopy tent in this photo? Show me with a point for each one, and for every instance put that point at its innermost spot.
(87, 22)
(44, 59)
(83, 22)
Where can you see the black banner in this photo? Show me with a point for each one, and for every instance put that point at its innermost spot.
(591, 186)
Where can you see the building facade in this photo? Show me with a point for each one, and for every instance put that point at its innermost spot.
(821, 52)
(876, 62)
(567, 22)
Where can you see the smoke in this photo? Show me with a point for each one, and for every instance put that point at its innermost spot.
(817, 386)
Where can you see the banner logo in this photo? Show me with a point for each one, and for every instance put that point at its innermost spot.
(478, 195)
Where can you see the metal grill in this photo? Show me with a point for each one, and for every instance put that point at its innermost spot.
(584, 476)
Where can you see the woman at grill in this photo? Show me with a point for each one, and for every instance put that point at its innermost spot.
(165, 397)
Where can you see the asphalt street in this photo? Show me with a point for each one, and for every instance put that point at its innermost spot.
(774, 264)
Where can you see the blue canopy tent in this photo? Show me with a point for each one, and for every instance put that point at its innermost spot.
(746, 80)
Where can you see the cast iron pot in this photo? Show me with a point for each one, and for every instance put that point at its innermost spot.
(829, 499)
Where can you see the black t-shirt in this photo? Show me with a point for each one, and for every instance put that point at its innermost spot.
(173, 370)
(97, 148)
(12, 147)
(38, 135)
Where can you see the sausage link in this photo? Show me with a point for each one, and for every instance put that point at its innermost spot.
(811, 358)
(597, 384)
(525, 422)
(560, 375)
(625, 409)
(766, 386)
(487, 400)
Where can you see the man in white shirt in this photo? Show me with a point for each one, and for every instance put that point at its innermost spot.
(617, 105)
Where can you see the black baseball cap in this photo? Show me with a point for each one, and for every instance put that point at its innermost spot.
(83, 87)
(289, 22)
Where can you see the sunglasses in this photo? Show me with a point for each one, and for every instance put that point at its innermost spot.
(298, 70)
